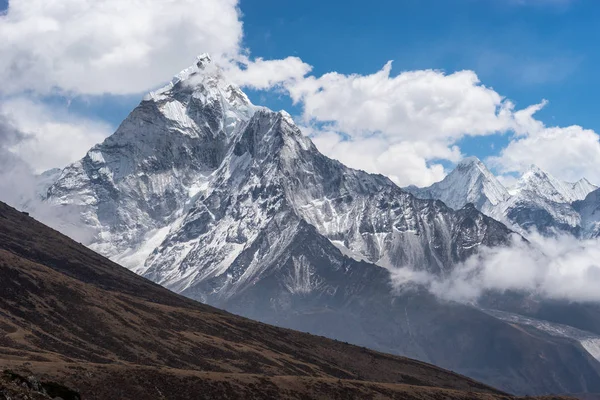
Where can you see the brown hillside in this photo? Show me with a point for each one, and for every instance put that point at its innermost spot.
(67, 314)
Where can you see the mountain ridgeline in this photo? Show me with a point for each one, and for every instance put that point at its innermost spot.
(228, 203)
(537, 202)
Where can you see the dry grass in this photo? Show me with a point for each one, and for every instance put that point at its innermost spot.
(70, 315)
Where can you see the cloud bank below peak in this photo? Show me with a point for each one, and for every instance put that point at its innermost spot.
(558, 268)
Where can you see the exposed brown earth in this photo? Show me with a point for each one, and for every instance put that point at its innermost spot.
(70, 315)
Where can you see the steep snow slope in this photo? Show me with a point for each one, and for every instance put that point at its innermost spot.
(196, 173)
(140, 179)
(272, 184)
(548, 187)
(469, 182)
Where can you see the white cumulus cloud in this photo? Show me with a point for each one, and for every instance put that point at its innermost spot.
(405, 126)
(405, 162)
(411, 105)
(568, 153)
(266, 74)
(109, 46)
(51, 137)
(561, 268)
(401, 126)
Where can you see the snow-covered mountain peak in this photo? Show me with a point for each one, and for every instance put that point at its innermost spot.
(533, 176)
(141, 178)
(204, 80)
(534, 169)
(204, 63)
(472, 166)
(471, 161)
(537, 201)
(543, 184)
(469, 182)
(582, 188)
(203, 59)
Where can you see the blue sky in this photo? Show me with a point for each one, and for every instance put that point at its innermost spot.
(525, 50)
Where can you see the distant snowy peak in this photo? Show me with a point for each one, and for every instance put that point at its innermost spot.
(538, 201)
(582, 188)
(546, 186)
(481, 177)
(469, 182)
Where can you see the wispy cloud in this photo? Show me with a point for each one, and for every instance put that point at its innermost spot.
(528, 69)
(50, 136)
(554, 4)
(560, 267)
(22, 188)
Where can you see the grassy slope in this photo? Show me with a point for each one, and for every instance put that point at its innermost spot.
(71, 315)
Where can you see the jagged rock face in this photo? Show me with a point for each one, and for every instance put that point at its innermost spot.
(589, 210)
(272, 185)
(369, 217)
(243, 203)
(196, 174)
(537, 202)
(527, 212)
(140, 179)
